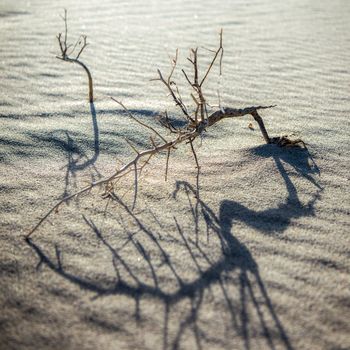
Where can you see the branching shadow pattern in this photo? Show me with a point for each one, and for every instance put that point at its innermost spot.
(233, 273)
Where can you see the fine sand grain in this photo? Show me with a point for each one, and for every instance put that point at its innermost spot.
(259, 261)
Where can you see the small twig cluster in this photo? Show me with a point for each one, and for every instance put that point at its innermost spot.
(196, 123)
(72, 52)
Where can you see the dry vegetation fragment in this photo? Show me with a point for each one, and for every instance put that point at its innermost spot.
(76, 49)
(196, 123)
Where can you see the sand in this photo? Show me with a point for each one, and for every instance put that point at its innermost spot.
(260, 261)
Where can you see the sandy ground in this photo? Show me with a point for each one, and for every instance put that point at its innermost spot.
(260, 261)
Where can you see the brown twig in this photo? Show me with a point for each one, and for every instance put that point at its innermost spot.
(65, 56)
(139, 121)
(182, 137)
(194, 128)
(177, 100)
(219, 50)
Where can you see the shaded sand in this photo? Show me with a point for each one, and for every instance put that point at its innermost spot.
(260, 261)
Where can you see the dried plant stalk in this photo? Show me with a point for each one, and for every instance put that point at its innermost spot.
(195, 126)
(77, 49)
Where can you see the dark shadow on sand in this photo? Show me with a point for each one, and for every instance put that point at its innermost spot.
(79, 161)
(276, 219)
(235, 258)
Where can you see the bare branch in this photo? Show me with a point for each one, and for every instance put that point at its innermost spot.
(82, 48)
(131, 145)
(219, 50)
(78, 42)
(152, 141)
(181, 137)
(195, 66)
(174, 62)
(65, 29)
(187, 78)
(166, 123)
(194, 128)
(145, 163)
(177, 101)
(59, 36)
(139, 121)
(65, 55)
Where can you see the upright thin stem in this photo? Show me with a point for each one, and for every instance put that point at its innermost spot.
(81, 43)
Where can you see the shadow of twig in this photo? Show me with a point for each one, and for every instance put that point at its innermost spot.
(234, 272)
(82, 161)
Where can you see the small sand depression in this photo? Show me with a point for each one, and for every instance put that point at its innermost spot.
(257, 259)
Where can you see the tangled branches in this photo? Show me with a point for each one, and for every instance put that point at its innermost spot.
(196, 123)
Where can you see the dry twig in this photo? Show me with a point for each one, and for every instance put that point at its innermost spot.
(195, 126)
(67, 50)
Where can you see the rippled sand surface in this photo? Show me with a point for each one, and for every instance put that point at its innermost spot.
(259, 261)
